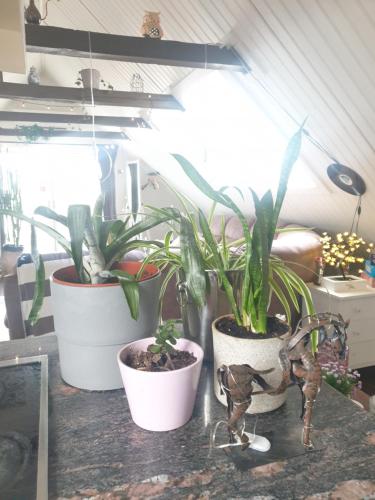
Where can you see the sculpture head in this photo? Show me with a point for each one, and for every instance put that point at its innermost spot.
(335, 332)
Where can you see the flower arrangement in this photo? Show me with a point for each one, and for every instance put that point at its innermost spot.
(341, 378)
(343, 250)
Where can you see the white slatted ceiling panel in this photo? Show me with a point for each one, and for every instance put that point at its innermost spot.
(315, 56)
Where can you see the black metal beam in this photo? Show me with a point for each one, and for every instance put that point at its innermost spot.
(83, 96)
(75, 43)
(110, 121)
(46, 134)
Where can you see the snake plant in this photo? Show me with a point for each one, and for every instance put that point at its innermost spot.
(105, 242)
(261, 272)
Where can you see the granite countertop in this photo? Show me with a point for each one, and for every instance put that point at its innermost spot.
(97, 452)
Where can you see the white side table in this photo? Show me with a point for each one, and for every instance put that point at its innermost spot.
(358, 306)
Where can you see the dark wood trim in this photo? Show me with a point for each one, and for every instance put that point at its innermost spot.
(15, 132)
(83, 96)
(111, 121)
(75, 43)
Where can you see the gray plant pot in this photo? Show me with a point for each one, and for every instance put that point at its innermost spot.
(93, 322)
(197, 322)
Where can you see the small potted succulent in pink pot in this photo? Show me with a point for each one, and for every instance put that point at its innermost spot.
(160, 376)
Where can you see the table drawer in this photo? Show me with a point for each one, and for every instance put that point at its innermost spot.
(361, 330)
(356, 309)
(361, 354)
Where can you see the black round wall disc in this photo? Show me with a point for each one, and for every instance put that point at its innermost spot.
(346, 179)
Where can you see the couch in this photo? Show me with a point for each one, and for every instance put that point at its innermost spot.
(298, 248)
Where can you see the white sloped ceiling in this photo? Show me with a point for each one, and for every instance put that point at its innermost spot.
(316, 58)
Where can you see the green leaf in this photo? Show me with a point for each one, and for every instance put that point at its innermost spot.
(205, 187)
(154, 348)
(39, 280)
(259, 261)
(192, 263)
(51, 214)
(291, 156)
(59, 238)
(199, 181)
(219, 266)
(97, 217)
(286, 282)
(281, 296)
(110, 230)
(79, 217)
(115, 248)
(130, 287)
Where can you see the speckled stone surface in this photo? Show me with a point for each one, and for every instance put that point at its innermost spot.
(96, 452)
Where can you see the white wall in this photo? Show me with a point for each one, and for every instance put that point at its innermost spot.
(162, 197)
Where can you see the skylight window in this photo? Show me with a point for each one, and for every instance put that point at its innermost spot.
(225, 134)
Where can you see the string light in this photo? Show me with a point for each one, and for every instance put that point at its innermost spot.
(344, 249)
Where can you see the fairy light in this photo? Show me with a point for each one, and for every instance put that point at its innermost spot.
(344, 249)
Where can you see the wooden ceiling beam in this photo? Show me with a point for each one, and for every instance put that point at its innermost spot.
(48, 133)
(75, 43)
(110, 121)
(83, 96)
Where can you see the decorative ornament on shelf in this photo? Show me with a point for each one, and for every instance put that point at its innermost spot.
(33, 133)
(136, 84)
(91, 77)
(33, 76)
(151, 25)
(32, 14)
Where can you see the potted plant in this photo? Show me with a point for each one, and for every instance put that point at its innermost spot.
(198, 293)
(10, 199)
(343, 251)
(160, 377)
(249, 335)
(92, 319)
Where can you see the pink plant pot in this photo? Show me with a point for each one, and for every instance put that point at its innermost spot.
(161, 401)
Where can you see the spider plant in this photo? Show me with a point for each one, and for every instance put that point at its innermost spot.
(105, 242)
(192, 256)
(261, 272)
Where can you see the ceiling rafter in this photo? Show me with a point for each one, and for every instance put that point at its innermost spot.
(76, 43)
(110, 121)
(83, 96)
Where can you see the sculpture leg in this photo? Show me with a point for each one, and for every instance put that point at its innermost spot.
(300, 385)
(235, 422)
(310, 373)
(310, 391)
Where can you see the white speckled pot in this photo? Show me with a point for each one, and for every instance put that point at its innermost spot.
(260, 354)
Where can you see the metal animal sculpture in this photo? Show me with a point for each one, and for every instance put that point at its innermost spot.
(302, 366)
(236, 382)
(299, 367)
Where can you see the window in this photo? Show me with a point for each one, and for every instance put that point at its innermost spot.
(52, 175)
(225, 134)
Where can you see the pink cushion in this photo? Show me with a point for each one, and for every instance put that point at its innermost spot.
(233, 229)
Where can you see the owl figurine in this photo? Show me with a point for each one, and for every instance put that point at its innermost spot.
(151, 25)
